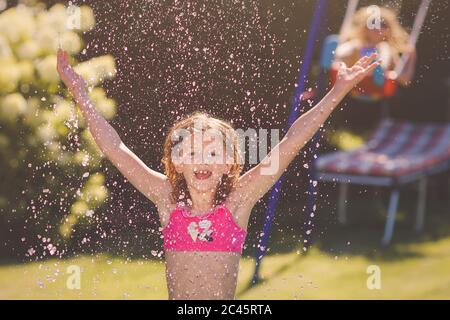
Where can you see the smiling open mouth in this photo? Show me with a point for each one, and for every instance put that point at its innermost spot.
(202, 174)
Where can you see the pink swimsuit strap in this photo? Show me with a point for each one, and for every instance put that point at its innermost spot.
(213, 231)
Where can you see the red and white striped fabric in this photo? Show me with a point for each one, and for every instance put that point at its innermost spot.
(394, 149)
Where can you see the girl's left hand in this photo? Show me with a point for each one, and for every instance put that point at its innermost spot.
(348, 78)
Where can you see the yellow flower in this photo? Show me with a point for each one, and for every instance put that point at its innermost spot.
(17, 24)
(28, 50)
(87, 18)
(47, 39)
(96, 179)
(57, 17)
(66, 229)
(31, 117)
(97, 94)
(107, 107)
(96, 195)
(26, 71)
(97, 69)
(12, 106)
(82, 158)
(9, 76)
(5, 49)
(71, 42)
(46, 133)
(62, 110)
(79, 208)
(46, 69)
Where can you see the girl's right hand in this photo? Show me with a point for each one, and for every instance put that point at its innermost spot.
(74, 82)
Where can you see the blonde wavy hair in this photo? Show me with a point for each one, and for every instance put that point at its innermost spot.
(398, 39)
(180, 190)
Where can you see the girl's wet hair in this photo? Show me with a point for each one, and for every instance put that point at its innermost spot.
(180, 190)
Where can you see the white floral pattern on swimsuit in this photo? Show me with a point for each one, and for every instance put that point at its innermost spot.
(200, 231)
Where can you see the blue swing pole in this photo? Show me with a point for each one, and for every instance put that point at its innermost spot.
(301, 83)
(327, 57)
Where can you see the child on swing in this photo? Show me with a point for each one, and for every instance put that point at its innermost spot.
(203, 201)
(389, 40)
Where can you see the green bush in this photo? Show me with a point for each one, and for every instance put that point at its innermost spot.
(50, 179)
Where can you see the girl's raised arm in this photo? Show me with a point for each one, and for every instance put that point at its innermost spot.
(257, 181)
(154, 185)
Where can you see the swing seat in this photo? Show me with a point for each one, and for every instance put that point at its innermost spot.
(370, 91)
(379, 86)
(398, 152)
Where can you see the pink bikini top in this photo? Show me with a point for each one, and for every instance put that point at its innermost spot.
(213, 231)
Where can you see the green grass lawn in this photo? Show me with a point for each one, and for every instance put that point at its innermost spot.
(412, 267)
(423, 273)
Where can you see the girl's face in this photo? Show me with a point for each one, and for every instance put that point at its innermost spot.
(203, 160)
(375, 35)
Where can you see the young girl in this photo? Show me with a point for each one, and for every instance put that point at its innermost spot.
(389, 39)
(204, 206)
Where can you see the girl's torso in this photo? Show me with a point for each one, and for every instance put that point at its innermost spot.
(202, 253)
(202, 275)
(215, 230)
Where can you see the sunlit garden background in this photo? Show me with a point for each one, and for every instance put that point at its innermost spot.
(147, 63)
